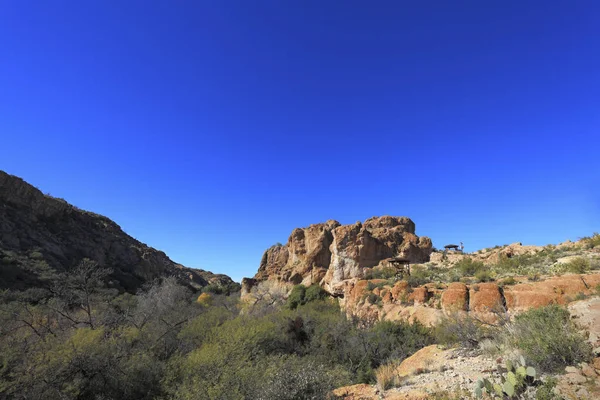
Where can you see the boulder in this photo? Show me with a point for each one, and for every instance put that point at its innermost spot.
(455, 298)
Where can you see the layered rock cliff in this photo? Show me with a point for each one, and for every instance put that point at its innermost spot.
(329, 253)
(41, 236)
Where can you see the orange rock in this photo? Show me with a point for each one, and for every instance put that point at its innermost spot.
(430, 357)
(329, 253)
(399, 289)
(419, 295)
(484, 297)
(356, 392)
(524, 296)
(454, 297)
(387, 297)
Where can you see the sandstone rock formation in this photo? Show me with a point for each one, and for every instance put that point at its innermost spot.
(429, 303)
(329, 253)
(41, 235)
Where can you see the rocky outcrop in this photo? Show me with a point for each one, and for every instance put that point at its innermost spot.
(329, 253)
(41, 236)
(304, 259)
(378, 299)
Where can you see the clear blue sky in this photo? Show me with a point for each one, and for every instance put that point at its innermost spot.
(210, 129)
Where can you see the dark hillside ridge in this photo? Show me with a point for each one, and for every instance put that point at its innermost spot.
(41, 236)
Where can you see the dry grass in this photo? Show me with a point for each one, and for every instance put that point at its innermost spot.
(387, 376)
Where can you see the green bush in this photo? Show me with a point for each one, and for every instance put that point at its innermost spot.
(296, 297)
(548, 338)
(299, 378)
(578, 265)
(546, 390)
(382, 273)
(456, 329)
(418, 276)
(483, 276)
(509, 281)
(301, 295)
(468, 267)
(592, 241)
(373, 298)
(315, 292)
(227, 290)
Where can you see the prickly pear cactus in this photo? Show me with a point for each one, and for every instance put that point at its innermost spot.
(518, 377)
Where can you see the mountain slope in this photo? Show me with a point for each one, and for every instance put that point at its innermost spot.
(41, 236)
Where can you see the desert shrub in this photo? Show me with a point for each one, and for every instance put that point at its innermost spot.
(457, 394)
(483, 276)
(226, 289)
(526, 264)
(418, 276)
(300, 295)
(372, 285)
(196, 331)
(373, 298)
(299, 378)
(397, 340)
(381, 273)
(387, 376)
(592, 241)
(548, 338)
(546, 390)
(460, 330)
(533, 277)
(578, 265)
(315, 292)
(508, 281)
(468, 267)
(296, 297)
(580, 296)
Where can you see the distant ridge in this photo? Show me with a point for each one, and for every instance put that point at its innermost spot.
(41, 236)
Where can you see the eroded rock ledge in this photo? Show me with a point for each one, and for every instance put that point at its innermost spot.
(376, 299)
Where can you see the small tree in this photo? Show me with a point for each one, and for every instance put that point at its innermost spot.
(76, 292)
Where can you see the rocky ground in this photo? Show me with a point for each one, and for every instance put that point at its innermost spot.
(434, 369)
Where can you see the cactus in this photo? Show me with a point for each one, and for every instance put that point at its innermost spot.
(508, 388)
(512, 378)
(498, 389)
(512, 384)
(489, 388)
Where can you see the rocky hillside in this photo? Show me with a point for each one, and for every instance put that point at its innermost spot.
(41, 236)
(330, 253)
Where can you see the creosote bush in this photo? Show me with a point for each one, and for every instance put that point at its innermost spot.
(548, 338)
(463, 330)
(301, 295)
(469, 267)
(578, 265)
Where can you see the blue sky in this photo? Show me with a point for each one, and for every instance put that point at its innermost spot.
(210, 129)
